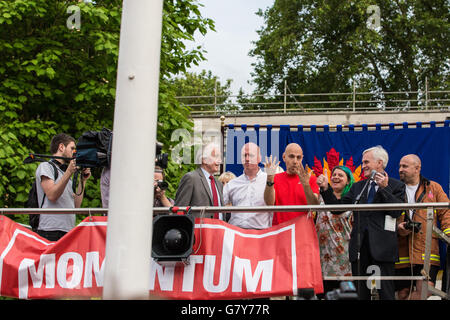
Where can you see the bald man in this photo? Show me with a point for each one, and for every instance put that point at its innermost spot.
(247, 190)
(296, 187)
(292, 187)
(418, 189)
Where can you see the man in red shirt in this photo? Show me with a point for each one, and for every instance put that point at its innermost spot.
(296, 187)
(292, 187)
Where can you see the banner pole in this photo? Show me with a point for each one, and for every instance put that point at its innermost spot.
(129, 234)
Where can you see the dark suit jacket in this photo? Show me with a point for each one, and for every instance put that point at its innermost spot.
(383, 243)
(194, 191)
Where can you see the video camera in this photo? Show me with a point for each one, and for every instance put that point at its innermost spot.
(93, 150)
(161, 158)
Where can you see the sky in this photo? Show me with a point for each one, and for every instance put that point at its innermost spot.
(227, 48)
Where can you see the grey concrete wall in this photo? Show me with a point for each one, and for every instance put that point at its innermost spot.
(213, 123)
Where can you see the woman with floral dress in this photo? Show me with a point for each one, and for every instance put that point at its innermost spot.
(334, 231)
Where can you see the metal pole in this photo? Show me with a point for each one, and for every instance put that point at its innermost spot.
(426, 263)
(354, 97)
(285, 88)
(207, 209)
(128, 238)
(351, 278)
(448, 271)
(215, 96)
(426, 93)
(222, 135)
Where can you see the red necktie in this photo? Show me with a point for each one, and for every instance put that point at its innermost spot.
(214, 194)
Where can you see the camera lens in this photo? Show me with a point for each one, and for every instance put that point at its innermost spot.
(163, 185)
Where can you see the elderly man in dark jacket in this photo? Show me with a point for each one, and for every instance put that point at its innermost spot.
(373, 244)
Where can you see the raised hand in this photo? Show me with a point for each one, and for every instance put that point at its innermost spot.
(271, 165)
(382, 179)
(303, 175)
(322, 180)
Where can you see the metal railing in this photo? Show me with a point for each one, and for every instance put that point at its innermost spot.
(404, 101)
(211, 209)
(430, 227)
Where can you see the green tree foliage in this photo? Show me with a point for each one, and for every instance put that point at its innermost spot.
(205, 87)
(324, 46)
(59, 79)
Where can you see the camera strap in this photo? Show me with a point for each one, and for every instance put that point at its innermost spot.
(419, 200)
(421, 196)
(60, 165)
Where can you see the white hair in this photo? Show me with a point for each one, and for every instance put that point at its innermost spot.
(379, 153)
(205, 152)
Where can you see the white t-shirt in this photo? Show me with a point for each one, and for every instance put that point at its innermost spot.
(411, 194)
(244, 192)
(53, 222)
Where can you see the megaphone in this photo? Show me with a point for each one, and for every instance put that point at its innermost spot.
(172, 239)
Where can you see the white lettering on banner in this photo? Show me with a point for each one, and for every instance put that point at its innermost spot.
(225, 265)
(92, 267)
(47, 262)
(165, 276)
(189, 273)
(264, 271)
(10, 245)
(76, 270)
(242, 268)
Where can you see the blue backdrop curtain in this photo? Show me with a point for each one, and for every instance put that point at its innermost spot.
(431, 144)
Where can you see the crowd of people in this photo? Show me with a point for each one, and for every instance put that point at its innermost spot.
(348, 243)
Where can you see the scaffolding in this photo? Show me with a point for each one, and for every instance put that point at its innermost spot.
(288, 102)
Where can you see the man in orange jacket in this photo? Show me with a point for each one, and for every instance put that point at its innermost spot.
(412, 243)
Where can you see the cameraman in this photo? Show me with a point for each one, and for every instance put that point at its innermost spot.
(57, 193)
(160, 186)
(412, 239)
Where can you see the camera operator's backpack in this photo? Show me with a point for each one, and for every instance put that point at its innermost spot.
(33, 201)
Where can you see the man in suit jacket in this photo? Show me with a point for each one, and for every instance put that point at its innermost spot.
(374, 233)
(200, 187)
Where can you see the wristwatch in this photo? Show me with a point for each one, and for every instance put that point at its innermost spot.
(269, 184)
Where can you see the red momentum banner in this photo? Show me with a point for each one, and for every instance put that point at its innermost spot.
(227, 262)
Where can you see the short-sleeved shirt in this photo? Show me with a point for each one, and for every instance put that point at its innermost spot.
(289, 191)
(53, 222)
(248, 193)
